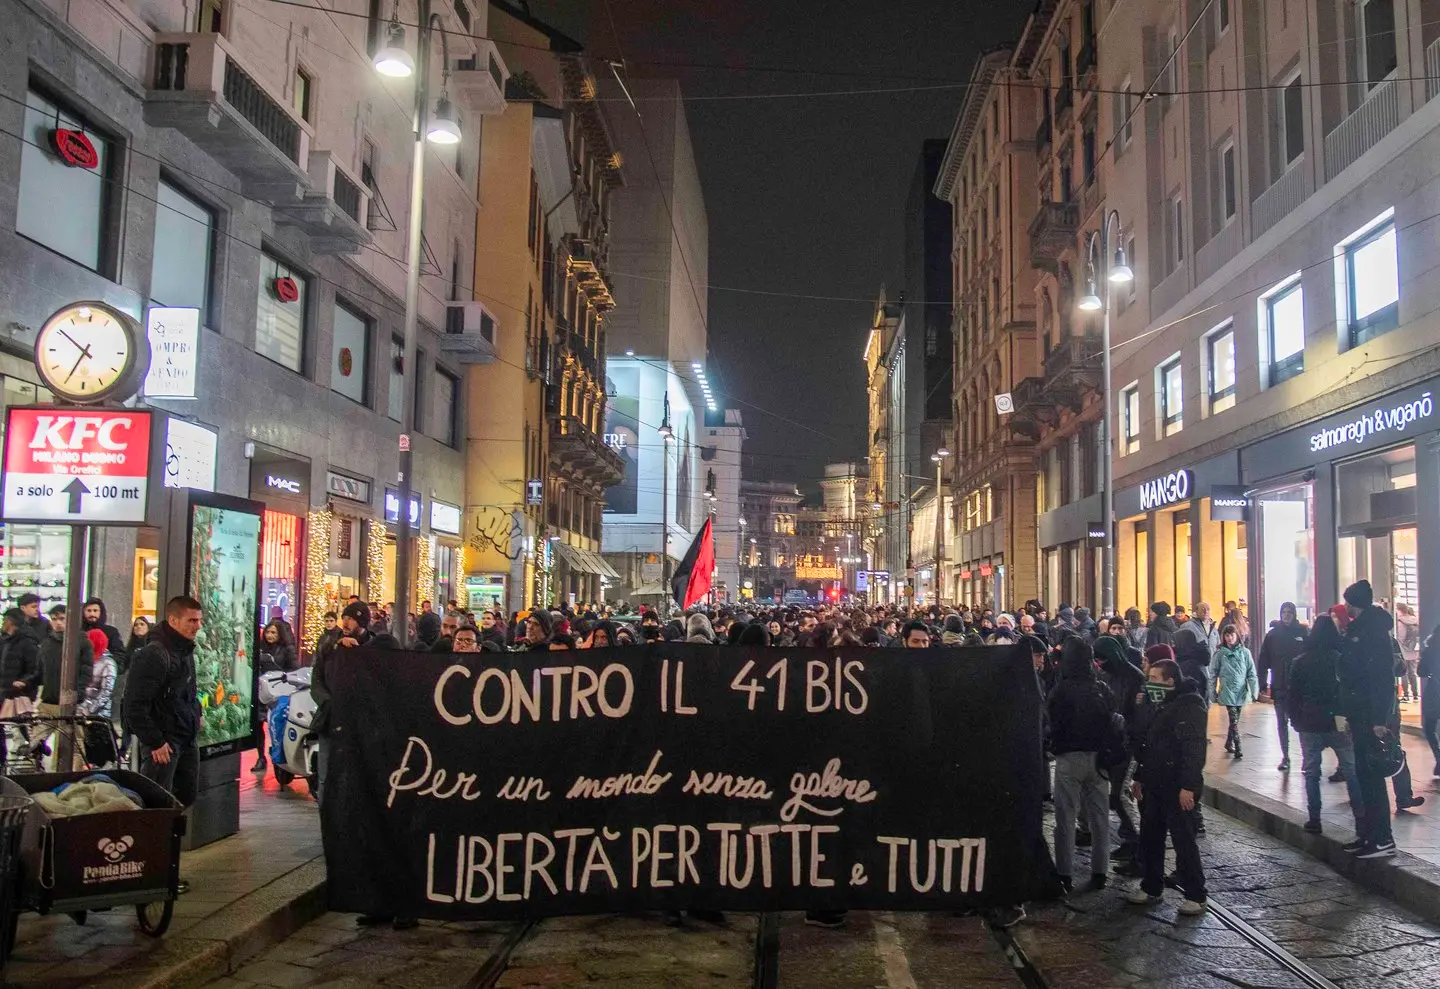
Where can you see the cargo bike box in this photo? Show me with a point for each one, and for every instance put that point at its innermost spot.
(93, 861)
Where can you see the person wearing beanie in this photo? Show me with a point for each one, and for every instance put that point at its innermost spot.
(537, 628)
(1367, 700)
(954, 631)
(354, 633)
(427, 631)
(1158, 652)
(1162, 628)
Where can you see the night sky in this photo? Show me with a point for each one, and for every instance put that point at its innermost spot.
(805, 195)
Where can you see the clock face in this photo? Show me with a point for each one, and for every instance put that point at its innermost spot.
(86, 351)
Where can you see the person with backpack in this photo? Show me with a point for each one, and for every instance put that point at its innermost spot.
(1314, 708)
(1235, 683)
(1079, 712)
(1120, 671)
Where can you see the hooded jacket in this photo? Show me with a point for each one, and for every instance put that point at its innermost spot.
(1367, 669)
(21, 662)
(161, 702)
(1313, 699)
(698, 629)
(1120, 671)
(1281, 645)
(1193, 654)
(1080, 706)
(1085, 625)
(1234, 672)
(51, 655)
(112, 634)
(1173, 755)
(1160, 632)
(319, 689)
(427, 631)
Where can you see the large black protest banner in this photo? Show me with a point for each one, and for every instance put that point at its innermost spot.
(482, 786)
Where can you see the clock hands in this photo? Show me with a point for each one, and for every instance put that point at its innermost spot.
(84, 353)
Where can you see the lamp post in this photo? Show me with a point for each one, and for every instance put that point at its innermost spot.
(666, 434)
(1115, 271)
(394, 61)
(939, 457)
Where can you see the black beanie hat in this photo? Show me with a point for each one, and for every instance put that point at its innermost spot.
(359, 612)
(1160, 608)
(1360, 594)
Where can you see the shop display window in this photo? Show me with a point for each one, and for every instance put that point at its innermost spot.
(1286, 536)
(1376, 514)
(1142, 570)
(34, 559)
(280, 567)
(1234, 561)
(1182, 559)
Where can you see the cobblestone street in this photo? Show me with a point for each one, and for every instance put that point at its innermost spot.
(1344, 934)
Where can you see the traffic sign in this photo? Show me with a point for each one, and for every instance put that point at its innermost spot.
(82, 466)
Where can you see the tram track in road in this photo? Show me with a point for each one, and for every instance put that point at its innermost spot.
(495, 966)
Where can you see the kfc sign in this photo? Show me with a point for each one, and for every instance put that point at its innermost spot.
(76, 465)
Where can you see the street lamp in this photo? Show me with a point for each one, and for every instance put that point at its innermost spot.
(394, 61)
(939, 457)
(1117, 271)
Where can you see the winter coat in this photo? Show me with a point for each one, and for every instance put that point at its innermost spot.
(1367, 670)
(280, 656)
(1173, 755)
(1079, 707)
(1235, 682)
(1314, 688)
(1281, 645)
(1120, 671)
(1206, 633)
(1193, 654)
(162, 704)
(21, 661)
(319, 690)
(100, 694)
(51, 653)
(1138, 636)
(116, 645)
(1160, 632)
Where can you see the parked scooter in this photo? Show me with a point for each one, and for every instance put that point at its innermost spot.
(294, 748)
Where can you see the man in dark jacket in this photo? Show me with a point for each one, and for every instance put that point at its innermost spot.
(427, 631)
(1283, 642)
(1313, 702)
(1367, 700)
(52, 692)
(20, 660)
(1168, 785)
(1120, 671)
(1079, 710)
(1161, 630)
(162, 707)
(94, 615)
(29, 605)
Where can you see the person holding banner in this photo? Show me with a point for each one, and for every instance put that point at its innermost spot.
(1168, 785)
(1079, 710)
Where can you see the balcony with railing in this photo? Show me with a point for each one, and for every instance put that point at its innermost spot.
(202, 89)
(1377, 116)
(335, 210)
(1034, 409)
(1219, 249)
(1052, 233)
(577, 448)
(1072, 368)
(479, 82)
(1282, 198)
(1432, 70)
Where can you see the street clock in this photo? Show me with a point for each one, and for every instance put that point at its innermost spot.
(89, 352)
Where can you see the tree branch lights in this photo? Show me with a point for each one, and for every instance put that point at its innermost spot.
(424, 567)
(461, 592)
(375, 560)
(320, 524)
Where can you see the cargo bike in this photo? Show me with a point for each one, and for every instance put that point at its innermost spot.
(90, 861)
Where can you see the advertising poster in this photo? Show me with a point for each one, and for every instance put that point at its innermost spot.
(622, 434)
(224, 569)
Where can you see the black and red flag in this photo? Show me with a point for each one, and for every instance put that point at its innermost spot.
(692, 581)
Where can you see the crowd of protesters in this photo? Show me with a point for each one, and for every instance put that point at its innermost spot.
(1124, 698)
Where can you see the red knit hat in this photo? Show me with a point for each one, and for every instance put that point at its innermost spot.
(98, 640)
(1159, 651)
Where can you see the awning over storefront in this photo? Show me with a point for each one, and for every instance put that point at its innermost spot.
(585, 561)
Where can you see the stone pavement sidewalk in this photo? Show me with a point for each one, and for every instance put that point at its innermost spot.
(247, 892)
(1255, 791)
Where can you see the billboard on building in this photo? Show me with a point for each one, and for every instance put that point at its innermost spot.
(622, 434)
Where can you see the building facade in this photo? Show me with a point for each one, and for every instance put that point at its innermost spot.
(250, 165)
(722, 452)
(660, 238)
(887, 532)
(772, 515)
(1275, 374)
(988, 175)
